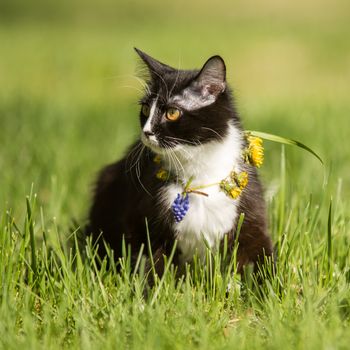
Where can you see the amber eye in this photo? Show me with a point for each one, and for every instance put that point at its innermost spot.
(173, 114)
(145, 110)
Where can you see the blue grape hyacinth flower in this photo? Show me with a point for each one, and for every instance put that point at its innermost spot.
(180, 206)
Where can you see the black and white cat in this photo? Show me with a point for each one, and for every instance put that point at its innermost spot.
(190, 131)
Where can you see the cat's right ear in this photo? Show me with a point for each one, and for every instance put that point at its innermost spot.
(155, 67)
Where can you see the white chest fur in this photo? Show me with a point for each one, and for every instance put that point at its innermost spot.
(208, 218)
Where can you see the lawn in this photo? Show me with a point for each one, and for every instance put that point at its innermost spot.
(68, 105)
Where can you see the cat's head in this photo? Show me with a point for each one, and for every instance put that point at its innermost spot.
(184, 107)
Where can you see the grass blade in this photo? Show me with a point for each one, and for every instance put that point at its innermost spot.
(32, 239)
(329, 240)
(284, 140)
(282, 199)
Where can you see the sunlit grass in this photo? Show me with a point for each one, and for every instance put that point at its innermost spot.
(68, 106)
(54, 295)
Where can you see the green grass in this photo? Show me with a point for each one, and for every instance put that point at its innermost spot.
(68, 106)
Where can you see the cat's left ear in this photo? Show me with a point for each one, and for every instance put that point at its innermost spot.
(211, 80)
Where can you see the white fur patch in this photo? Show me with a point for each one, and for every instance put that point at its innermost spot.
(191, 101)
(150, 140)
(148, 126)
(208, 218)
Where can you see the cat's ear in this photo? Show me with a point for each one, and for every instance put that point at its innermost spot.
(211, 80)
(155, 67)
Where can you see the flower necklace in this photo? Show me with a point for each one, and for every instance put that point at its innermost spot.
(232, 185)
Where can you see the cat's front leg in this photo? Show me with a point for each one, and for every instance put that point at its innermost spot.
(156, 264)
(255, 250)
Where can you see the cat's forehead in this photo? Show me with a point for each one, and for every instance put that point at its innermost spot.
(171, 84)
(175, 88)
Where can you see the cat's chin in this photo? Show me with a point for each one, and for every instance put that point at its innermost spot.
(155, 148)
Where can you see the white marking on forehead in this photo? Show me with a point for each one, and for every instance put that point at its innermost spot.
(148, 125)
(191, 100)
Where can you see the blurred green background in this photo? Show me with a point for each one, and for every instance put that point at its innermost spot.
(68, 96)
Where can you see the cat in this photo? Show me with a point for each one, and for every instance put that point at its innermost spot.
(191, 140)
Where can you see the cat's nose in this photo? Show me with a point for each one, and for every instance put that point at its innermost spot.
(148, 133)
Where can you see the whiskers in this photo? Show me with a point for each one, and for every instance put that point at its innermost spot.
(213, 131)
(173, 161)
(178, 152)
(176, 79)
(125, 81)
(134, 156)
(179, 141)
(133, 161)
(181, 146)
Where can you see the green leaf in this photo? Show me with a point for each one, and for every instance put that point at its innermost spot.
(286, 141)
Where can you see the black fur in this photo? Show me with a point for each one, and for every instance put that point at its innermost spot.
(126, 193)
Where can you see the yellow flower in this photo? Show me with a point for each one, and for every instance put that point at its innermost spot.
(162, 174)
(257, 157)
(157, 159)
(242, 179)
(254, 140)
(234, 184)
(235, 192)
(255, 151)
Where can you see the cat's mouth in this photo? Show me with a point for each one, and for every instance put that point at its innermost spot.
(151, 142)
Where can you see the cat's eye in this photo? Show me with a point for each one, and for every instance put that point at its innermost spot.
(173, 114)
(145, 110)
